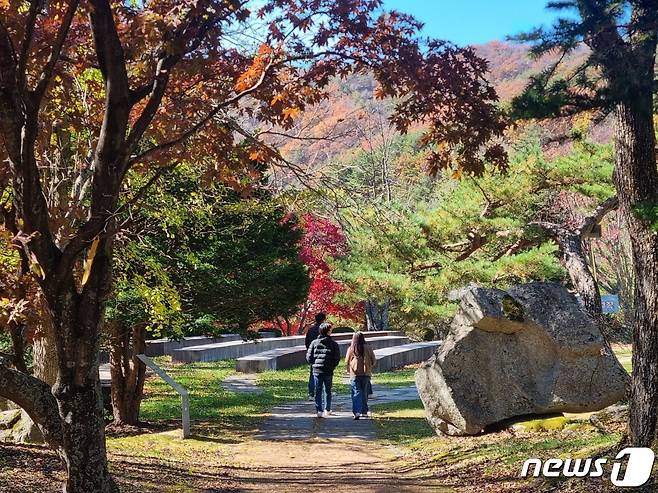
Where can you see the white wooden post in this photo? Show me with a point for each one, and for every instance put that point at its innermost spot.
(185, 399)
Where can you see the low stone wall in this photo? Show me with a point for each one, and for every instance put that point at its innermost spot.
(282, 358)
(238, 349)
(409, 354)
(162, 347)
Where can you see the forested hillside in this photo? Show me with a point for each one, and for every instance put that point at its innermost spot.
(412, 238)
(344, 121)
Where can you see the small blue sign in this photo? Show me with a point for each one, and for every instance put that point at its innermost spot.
(610, 303)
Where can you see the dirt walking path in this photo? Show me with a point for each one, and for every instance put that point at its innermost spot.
(294, 451)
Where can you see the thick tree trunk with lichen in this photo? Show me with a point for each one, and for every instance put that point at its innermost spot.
(128, 372)
(77, 318)
(636, 179)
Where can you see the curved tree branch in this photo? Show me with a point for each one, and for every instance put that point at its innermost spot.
(597, 216)
(35, 397)
(49, 68)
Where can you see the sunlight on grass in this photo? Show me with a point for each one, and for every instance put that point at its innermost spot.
(624, 353)
(213, 410)
(404, 424)
(169, 445)
(404, 377)
(213, 407)
(292, 384)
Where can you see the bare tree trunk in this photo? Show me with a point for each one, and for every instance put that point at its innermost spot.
(636, 179)
(77, 320)
(128, 373)
(376, 315)
(574, 259)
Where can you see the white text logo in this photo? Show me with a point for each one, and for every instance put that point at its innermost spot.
(638, 462)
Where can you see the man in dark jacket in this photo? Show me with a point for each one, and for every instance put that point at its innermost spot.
(312, 334)
(323, 355)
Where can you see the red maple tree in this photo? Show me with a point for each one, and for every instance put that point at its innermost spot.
(322, 242)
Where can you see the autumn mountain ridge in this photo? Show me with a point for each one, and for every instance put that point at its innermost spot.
(510, 66)
(352, 118)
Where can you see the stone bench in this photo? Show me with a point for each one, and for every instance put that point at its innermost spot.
(238, 349)
(282, 358)
(408, 354)
(162, 347)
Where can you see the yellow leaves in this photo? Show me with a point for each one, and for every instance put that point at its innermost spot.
(583, 120)
(35, 267)
(290, 112)
(89, 261)
(257, 155)
(277, 98)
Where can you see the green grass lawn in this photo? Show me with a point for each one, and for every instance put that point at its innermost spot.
(404, 377)
(402, 423)
(213, 407)
(210, 402)
(210, 405)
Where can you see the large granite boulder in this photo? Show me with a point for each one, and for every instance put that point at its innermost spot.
(529, 350)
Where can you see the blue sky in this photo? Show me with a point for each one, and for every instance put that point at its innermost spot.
(475, 21)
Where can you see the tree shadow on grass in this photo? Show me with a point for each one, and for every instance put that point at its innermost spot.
(154, 475)
(29, 468)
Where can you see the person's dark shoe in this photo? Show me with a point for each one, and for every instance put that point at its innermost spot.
(357, 416)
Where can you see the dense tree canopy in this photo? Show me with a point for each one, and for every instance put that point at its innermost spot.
(197, 261)
(90, 91)
(484, 230)
(202, 260)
